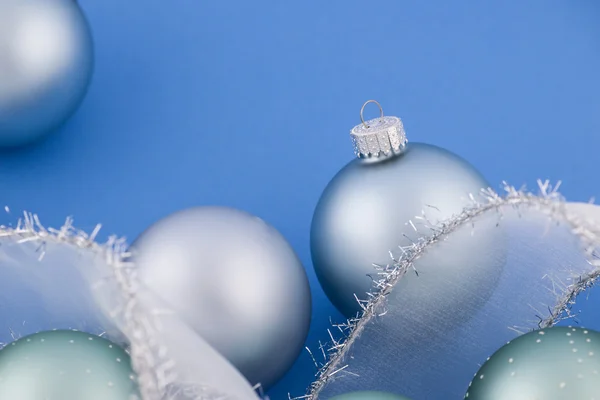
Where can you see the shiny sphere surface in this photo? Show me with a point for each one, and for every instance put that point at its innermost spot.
(235, 280)
(65, 365)
(46, 64)
(365, 210)
(369, 395)
(559, 363)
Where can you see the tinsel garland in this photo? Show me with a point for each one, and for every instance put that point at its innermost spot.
(157, 370)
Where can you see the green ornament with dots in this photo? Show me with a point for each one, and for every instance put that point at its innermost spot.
(559, 363)
(369, 395)
(65, 365)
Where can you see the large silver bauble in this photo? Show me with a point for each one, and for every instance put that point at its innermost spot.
(46, 63)
(236, 281)
(560, 363)
(364, 213)
(66, 365)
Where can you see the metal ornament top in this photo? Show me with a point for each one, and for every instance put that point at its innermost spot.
(377, 137)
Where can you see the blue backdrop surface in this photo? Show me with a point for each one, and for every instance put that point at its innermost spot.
(249, 105)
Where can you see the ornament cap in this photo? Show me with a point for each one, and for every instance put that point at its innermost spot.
(378, 137)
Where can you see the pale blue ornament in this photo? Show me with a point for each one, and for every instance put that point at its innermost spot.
(559, 363)
(369, 395)
(46, 64)
(364, 213)
(65, 365)
(235, 280)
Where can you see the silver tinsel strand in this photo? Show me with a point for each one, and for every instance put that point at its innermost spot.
(156, 371)
(548, 202)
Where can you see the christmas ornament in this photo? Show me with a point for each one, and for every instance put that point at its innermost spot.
(63, 279)
(65, 365)
(369, 395)
(416, 343)
(235, 280)
(365, 210)
(559, 363)
(46, 62)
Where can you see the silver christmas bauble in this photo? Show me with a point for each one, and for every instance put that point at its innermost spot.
(65, 365)
(559, 363)
(235, 280)
(369, 395)
(371, 206)
(46, 63)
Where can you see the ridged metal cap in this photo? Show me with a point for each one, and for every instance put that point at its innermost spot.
(377, 137)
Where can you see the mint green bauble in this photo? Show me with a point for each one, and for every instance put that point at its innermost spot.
(65, 365)
(558, 363)
(369, 395)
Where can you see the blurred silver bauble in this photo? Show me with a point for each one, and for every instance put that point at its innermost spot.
(560, 363)
(235, 280)
(46, 64)
(365, 210)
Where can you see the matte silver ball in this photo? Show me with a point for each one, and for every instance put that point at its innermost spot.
(236, 281)
(364, 213)
(559, 363)
(46, 64)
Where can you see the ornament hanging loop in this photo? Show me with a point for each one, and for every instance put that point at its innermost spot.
(378, 138)
(362, 118)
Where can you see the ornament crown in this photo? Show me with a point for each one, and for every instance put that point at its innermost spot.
(377, 137)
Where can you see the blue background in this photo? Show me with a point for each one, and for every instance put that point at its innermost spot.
(249, 105)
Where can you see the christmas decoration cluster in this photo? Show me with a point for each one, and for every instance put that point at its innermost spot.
(437, 274)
